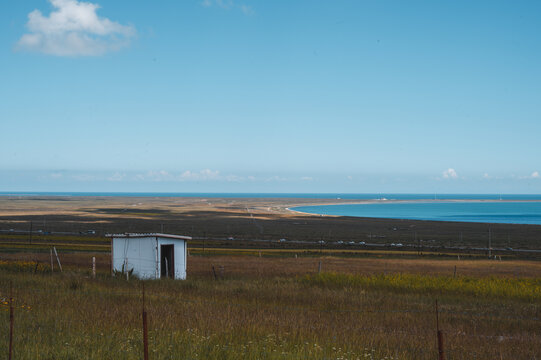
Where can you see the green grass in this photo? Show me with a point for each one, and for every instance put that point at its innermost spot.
(327, 316)
(527, 289)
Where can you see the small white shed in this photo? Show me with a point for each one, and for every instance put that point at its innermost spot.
(150, 256)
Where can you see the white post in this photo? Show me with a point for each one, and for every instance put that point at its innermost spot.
(93, 267)
(57, 258)
(166, 268)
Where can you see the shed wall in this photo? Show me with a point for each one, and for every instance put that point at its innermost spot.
(140, 254)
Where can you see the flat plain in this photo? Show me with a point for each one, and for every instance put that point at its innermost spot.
(265, 299)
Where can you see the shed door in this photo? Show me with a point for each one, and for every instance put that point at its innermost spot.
(167, 261)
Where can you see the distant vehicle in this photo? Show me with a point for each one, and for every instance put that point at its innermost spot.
(231, 238)
(397, 245)
(340, 242)
(321, 242)
(509, 248)
(362, 243)
(11, 230)
(351, 243)
(283, 240)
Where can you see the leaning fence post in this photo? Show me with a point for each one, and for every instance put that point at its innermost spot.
(145, 328)
(214, 272)
(57, 259)
(441, 353)
(10, 320)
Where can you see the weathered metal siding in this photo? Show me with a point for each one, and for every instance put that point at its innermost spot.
(180, 255)
(140, 254)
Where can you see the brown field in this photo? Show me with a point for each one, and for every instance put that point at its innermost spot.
(267, 299)
(248, 264)
(246, 220)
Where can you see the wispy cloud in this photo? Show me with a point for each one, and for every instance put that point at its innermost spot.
(206, 174)
(534, 175)
(73, 29)
(247, 10)
(229, 4)
(450, 174)
(117, 177)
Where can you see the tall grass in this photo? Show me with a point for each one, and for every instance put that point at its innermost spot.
(325, 316)
(527, 289)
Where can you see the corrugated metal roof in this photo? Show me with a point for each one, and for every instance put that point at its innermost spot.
(136, 235)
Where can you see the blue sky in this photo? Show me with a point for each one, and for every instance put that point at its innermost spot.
(270, 96)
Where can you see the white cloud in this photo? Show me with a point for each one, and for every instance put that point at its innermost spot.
(206, 174)
(234, 178)
(276, 178)
(534, 175)
(450, 174)
(247, 10)
(307, 178)
(228, 4)
(486, 176)
(117, 177)
(73, 29)
(86, 177)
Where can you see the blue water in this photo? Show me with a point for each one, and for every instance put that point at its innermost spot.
(512, 212)
(288, 195)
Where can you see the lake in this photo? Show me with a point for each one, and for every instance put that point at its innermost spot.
(509, 212)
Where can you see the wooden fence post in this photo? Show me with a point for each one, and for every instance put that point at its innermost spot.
(145, 328)
(93, 267)
(52, 262)
(10, 351)
(441, 353)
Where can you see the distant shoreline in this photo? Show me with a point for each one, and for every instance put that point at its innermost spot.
(484, 216)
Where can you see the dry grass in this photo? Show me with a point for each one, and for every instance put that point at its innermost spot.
(273, 308)
(255, 266)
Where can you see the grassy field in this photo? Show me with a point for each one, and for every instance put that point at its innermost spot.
(268, 299)
(278, 308)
